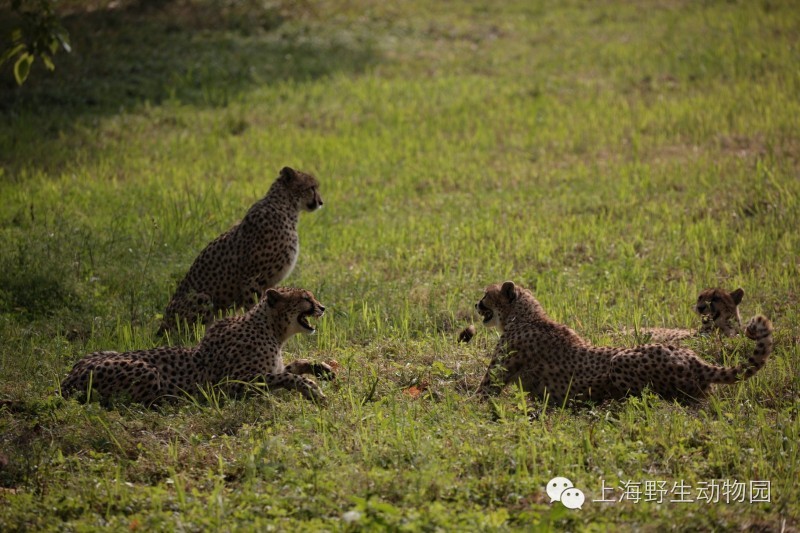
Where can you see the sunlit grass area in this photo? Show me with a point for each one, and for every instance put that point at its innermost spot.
(615, 158)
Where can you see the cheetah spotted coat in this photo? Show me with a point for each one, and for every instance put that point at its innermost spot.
(234, 353)
(550, 359)
(257, 253)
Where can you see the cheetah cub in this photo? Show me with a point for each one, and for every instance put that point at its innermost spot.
(719, 311)
(234, 352)
(257, 253)
(551, 359)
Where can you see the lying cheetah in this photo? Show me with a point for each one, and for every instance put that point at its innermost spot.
(551, 359)
(234, 352)
(718, 310)
(259, 252)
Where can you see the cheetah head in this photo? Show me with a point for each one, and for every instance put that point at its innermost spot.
(718, 307)
(297, 305)
(304, 187)
(496, 304)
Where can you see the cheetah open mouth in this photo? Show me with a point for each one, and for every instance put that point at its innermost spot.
(303, 321)
(484, 311)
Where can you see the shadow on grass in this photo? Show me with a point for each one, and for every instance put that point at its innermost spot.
(202, 53)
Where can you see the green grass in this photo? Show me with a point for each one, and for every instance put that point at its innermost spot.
(615, 158)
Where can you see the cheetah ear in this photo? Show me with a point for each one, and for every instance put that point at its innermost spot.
(273, 297)
(288, 173)
(737, 295)
(509, 290)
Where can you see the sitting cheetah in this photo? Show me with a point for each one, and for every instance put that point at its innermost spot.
(235, 351)
(259, 252)
(551, 359)
(718, 310)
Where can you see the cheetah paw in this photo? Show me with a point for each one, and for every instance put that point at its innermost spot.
(323, 371)
(467, 333)
(758, 328)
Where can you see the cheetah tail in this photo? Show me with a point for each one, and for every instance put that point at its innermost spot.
(760, 329)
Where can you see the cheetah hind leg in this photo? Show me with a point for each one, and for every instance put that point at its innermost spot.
(80, 377)
(253, 291)
(185, 311)
(304, 366)
(117, 376)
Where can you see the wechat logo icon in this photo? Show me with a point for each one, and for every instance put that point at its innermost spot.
(561, 489)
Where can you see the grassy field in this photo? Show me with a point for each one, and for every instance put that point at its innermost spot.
(614, 157)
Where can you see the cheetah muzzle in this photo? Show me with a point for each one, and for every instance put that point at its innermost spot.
(485, 312)
(314, 204)
(303, 317)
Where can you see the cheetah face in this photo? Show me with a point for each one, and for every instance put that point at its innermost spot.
(311, 199)
(299, 305)
(312, 309)
(718, 305)
(495, 299)
(489, 316)
(304, 187)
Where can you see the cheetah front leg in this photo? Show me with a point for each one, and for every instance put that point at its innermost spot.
(289, 380)
(502, 370)
(304, 366)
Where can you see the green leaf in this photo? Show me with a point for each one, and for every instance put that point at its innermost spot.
(11, 52)
(48, 62)
(23, 67)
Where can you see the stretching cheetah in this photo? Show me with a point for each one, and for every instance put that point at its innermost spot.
(259, 252)
(718, 310)
(234, 352)
(551, 359)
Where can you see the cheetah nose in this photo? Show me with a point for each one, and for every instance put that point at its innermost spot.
(321, 202)
(701, 307)
(321, 309)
